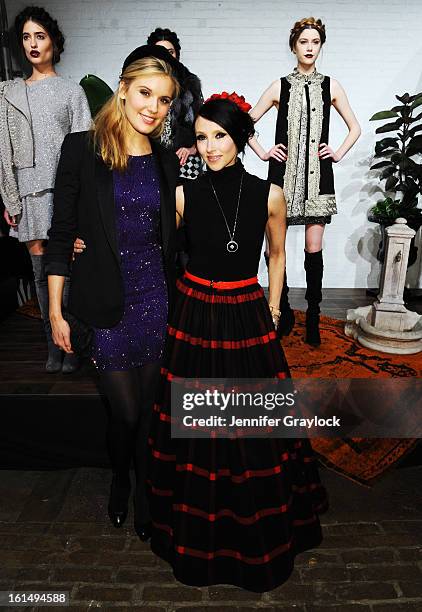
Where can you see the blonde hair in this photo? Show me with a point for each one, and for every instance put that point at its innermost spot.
(111, 124)
(306, 24)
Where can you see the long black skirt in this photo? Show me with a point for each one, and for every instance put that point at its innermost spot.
(228, 511)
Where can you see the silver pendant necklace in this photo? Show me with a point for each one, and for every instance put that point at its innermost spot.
(232, 245)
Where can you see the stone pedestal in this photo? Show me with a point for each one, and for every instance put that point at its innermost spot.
(387, 325)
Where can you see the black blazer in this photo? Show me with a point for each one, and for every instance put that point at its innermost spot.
(84, 208)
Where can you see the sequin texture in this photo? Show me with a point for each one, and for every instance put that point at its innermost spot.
(57, 106)
(139, 337)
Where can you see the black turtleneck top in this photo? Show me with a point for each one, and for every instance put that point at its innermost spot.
(206, 231)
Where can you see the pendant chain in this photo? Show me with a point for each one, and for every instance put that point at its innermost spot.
(232, 245)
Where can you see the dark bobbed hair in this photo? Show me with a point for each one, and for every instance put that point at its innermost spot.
(44, 19)
(165, 34)
(307, 23)
(237, 123)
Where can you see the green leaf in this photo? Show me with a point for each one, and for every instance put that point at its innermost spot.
(411, 184)
(96, 91)
(413, 169)
(382, 164)
(386, 208)
(388, 171)
(389, 127)
(404, 164)
(409, 201)
(387, 114)
(413, 130)
(416, 118)
(415, 172)
(385, 143)
(386, 152)
(390, 183)
(389, 141)
(411, 151)
(404, 98)
(414, 146)
(396, 158)
(416, 140)
(417, 101)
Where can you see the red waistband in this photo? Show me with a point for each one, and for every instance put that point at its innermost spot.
(221, 284)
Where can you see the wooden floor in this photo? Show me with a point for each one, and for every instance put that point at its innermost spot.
(55, 534)
(23, 348)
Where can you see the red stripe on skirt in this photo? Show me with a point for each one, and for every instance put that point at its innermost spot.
(170, 376)
(227, 513)
(227, 552)
(224, 344)
(161, 492)
(226, 473)
(163, 527)
(163, 456)
(214, 298)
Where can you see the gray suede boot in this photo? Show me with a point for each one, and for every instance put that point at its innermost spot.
(55, 355)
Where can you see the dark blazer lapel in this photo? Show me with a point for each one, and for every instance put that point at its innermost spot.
(168, 179)
(105, 193)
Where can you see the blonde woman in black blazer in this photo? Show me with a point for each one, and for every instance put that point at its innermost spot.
(115, 189)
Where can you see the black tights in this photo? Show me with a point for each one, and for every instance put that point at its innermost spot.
(130, 395)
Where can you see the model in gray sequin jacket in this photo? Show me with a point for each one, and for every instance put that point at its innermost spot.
(17, 139)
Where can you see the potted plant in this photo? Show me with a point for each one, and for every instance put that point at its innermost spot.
(401, 172)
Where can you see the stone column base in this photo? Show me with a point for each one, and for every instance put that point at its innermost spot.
(405, 342)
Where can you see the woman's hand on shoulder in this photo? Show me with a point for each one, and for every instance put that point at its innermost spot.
(180, 204)
(78, 247)
(184, 152)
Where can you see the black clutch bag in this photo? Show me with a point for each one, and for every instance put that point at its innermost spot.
(81, 334)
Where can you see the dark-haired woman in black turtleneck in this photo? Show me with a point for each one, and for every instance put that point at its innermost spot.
(229, 510)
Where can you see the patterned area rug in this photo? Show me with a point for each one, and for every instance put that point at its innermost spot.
(360, 459)
(30, 309)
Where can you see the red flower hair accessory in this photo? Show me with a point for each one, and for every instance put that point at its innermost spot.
(233, 97)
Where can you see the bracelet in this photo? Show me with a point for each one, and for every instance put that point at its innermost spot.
(274, 310)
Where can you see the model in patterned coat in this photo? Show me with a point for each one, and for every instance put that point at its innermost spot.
(302, 159)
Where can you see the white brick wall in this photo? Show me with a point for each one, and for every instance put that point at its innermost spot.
(372, 48)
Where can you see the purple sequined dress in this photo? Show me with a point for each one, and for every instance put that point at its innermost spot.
(138, 338)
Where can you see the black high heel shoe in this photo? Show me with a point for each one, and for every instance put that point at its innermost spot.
(140, 507)
(118, 502)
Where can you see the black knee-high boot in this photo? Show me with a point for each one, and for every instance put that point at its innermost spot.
(55, 355)
(287, 316)
(314, 269)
